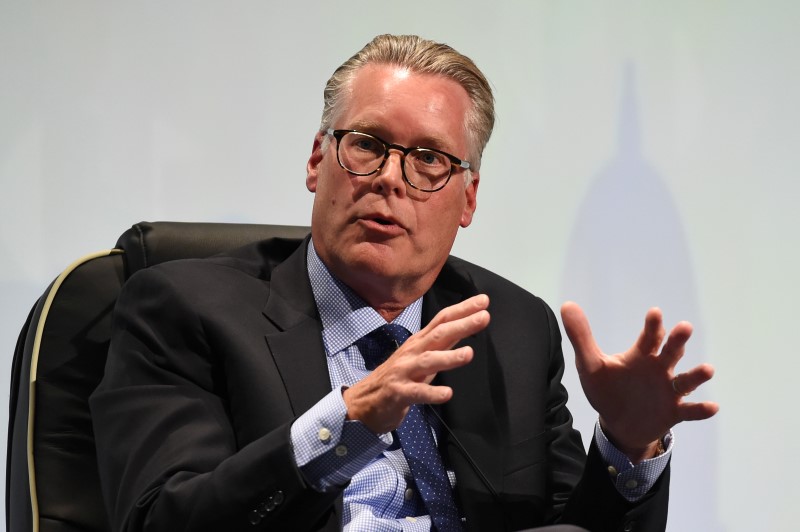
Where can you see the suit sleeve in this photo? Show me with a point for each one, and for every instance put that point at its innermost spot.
(168, 455)
(594, 502)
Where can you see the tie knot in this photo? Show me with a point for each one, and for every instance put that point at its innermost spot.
(395, 333)
(376, 346)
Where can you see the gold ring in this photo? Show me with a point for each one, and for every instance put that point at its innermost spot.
(676, 388)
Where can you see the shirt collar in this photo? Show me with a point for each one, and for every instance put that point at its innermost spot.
(345, 316)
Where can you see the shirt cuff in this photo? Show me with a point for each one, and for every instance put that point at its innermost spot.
(328, 449)
(632, 481)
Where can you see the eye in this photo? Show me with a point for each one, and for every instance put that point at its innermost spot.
(430, 158)
(367, 144)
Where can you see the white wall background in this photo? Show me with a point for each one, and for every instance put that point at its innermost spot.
(646, 153)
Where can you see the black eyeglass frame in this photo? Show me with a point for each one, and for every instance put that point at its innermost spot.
(454, 161)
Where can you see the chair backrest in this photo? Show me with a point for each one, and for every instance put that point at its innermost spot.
(52, 484)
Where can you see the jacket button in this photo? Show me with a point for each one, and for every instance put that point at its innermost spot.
(278, 497)
(255, 517)
(629, 526)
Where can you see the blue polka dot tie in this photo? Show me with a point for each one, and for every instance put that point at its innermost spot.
(417, 440)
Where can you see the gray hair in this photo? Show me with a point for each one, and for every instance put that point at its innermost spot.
(424, 57)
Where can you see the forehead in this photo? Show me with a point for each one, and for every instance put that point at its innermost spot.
(408, 107)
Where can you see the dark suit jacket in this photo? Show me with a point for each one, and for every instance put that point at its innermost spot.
(212, 360)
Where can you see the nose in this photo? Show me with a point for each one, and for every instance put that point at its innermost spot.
(389, 179)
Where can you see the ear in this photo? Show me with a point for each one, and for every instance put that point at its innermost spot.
(471, 204)
(314, 161)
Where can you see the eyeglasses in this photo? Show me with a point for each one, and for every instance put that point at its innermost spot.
(424, 169)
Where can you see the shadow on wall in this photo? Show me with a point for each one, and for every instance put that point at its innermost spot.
(628, 252)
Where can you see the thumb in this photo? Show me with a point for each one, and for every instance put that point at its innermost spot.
(587, 352)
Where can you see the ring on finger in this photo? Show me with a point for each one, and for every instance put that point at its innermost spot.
(677, 388)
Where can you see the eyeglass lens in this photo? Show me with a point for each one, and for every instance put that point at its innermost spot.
(363, 154)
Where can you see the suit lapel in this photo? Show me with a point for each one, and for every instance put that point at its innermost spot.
(473, 448)
(297, 347)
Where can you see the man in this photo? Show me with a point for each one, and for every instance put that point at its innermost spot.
(252, 390)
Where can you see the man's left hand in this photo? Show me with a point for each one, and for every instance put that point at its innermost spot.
(633, 391)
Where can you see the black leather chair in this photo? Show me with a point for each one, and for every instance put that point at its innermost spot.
(52, 483)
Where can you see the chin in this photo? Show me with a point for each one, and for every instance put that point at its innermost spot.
(376, 258)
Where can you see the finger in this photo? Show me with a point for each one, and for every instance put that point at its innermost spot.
(689, 381)
(450, 328)
(652, 333)
(460, 310)
(425, 366)
(697, 411)
(674, 348)
(422, 393)
(588, 356)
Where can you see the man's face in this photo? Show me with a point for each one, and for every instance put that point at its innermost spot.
(381, 238)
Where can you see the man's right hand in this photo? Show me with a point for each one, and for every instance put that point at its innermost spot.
(381, 399)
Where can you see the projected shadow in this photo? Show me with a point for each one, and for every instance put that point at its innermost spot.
(627, 252)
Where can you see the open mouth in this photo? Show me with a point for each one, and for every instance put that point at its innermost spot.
(382, 221)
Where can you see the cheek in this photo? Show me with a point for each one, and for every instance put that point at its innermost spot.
(438, 224)
(339, 187)
(326, 205)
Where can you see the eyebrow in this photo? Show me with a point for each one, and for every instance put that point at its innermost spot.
(377, 129)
